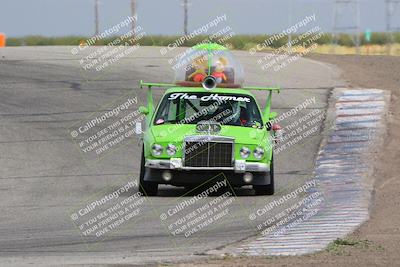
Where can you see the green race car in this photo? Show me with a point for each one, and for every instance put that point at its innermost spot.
(207, 124)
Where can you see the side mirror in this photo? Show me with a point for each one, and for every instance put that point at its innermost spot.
(143, 110)
(138, 128)
(273, 115)
(268, 126)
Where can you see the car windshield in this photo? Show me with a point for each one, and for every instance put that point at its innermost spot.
(226, 109)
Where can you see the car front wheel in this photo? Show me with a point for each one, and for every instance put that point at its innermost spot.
(146, 188)
(269, 189)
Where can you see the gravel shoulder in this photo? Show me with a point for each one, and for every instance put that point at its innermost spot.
(376, 242)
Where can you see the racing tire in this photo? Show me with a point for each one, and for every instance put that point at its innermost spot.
(269, 190)
(146, 188)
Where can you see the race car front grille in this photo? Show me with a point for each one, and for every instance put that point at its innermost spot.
(199, 153)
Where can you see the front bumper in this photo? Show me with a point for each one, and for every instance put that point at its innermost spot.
(196, 177)
(182, 176)
(240, 166)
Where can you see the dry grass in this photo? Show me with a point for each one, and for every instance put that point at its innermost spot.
(378, 50)
(364, 50)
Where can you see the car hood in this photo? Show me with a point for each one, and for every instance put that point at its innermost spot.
(177, 132)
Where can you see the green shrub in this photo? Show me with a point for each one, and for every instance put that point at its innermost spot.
(237, 41)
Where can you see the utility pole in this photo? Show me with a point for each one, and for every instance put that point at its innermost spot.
(352, 6)
(334, 40)
(185, 17)
(290, 24)
(133, 13)
(391, 8)
(96, 16)
(358, 22)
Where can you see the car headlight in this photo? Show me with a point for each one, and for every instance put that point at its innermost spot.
(156, 150)
(245, 152)
(258, 153)
(171, 149)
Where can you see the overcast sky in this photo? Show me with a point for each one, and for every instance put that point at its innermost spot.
(76, 17)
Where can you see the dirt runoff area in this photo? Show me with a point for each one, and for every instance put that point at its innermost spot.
(377, 242)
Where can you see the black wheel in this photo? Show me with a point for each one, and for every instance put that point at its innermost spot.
(269, 190)
(146, 188)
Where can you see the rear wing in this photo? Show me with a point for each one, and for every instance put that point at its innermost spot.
(266, 113)
(168, 85)
(159, 85)
(150, 103)
(268, 102)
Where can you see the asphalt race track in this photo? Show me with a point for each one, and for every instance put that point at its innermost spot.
(45, 90)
